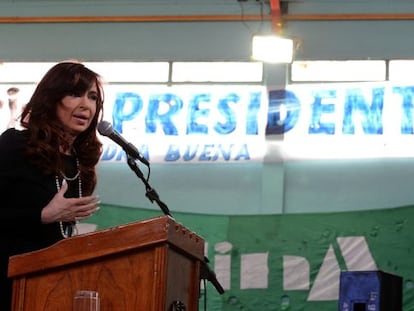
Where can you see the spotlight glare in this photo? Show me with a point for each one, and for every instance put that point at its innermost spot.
(272, 49)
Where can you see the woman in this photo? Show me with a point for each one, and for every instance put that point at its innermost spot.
(47, 170)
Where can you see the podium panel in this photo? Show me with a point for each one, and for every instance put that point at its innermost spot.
(140, 266)
(370, 290)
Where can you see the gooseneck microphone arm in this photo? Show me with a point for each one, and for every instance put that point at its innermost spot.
(151, 194)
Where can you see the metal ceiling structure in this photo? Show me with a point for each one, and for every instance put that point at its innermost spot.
(276, 16)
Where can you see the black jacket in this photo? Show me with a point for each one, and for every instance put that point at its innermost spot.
(24, 191)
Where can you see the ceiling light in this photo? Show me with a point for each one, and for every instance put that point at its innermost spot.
(272, 49)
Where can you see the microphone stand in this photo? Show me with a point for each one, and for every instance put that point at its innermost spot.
(151, 194)
(205, 272)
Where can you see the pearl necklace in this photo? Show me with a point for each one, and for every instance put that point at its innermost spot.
(68, 233)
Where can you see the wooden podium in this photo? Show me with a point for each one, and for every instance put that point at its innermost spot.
(148, 265)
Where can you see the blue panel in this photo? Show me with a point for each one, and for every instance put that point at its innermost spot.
(369, 291)
(359, 288)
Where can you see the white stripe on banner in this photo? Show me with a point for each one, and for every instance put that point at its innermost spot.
(356, 254)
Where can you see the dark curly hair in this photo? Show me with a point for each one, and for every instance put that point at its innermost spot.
(45, 133)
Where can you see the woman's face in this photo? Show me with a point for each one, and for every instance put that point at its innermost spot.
(76, 111)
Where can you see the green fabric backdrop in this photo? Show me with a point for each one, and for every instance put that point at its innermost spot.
(388, 234)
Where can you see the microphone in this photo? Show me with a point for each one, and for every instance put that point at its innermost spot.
(105, 128)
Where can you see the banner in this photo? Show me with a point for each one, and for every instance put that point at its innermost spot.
(292, 262)
(243, 123)
(189, 124)
(342, 120)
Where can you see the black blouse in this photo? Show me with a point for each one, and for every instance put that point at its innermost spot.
(24, 192)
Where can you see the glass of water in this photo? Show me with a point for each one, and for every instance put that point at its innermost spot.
(86, 300)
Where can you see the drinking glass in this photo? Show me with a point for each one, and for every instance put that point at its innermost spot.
(86, 300)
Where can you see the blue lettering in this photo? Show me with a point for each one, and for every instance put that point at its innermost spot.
(371, 114)
(190, 153)
(224, 108)
(407, 108)
(173, 153)
(285, 104)
(174, 104)
(225, 152)
(243, 153)
(252, 127)
(208, 152)
(126, 107)
(109, 153)
(318, 109)
(195, 112)
(163, 108)
(114, 152)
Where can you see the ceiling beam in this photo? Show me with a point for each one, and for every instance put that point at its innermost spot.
(275, 12)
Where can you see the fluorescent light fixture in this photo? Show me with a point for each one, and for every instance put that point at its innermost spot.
(401, 70)
(26, 72)
(131, 72)
(272, 49)
(112, 72)
(338, 71)
(217, 72)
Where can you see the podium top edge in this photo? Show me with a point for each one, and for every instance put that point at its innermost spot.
(110, 241)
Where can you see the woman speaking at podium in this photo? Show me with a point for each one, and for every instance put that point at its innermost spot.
(47, 169)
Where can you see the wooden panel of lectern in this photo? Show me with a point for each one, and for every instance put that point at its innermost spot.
(147, 265)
